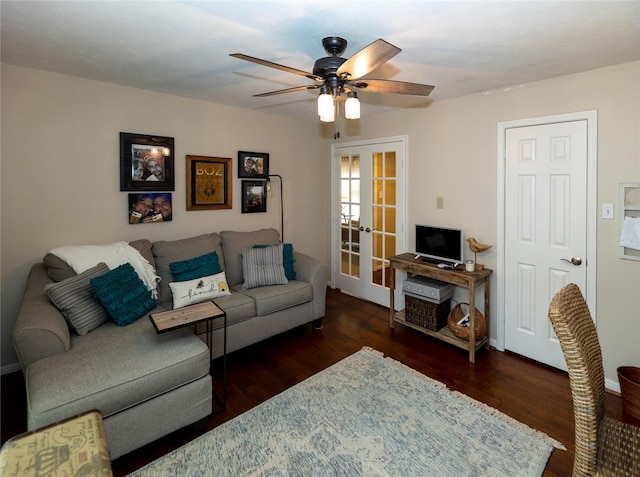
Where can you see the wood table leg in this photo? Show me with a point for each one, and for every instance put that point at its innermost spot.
(487, 309)
(392, 291)
(472, 323)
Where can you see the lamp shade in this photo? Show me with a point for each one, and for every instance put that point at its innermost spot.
(326, 109)
(352, 107)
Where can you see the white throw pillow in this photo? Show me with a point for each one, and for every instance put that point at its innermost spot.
(199, 290)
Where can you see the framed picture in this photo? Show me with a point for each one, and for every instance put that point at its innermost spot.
(208, 183)
(146, 162)
(253, 165)
(254, 198)
(147, 208)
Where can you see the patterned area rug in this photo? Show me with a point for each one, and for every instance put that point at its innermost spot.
(366, 415)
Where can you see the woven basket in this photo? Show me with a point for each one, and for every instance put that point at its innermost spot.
(431, 316)
(457, 313)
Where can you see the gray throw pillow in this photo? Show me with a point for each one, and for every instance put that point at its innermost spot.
(263, 267)
(234, 243)
(57, 269)
(76, 300)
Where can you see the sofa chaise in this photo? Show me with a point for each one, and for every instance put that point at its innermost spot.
(145, 384)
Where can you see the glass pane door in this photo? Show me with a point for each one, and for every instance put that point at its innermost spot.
(383, 213)
(350, 215)
(367, 228)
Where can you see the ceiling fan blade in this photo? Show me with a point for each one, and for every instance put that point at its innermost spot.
(394, 87)
(288, 90)
(276, 66)
(368, 59)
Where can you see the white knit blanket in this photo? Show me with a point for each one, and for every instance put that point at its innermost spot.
(83, 257)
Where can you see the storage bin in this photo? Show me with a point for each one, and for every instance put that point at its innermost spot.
(431, 316)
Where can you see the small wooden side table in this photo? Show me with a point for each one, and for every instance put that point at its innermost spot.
(408, 263)
(76, 447)
(192, 315)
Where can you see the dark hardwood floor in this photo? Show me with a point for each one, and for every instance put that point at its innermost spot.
(529, 392)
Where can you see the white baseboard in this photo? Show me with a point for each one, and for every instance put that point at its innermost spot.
(612, 385)
(12, 368)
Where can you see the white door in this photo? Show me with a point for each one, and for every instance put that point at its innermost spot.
(368, 220)
(545, 230)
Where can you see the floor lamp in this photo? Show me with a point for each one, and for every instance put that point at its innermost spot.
(281, 203)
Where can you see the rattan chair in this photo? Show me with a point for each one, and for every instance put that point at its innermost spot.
(603, 446)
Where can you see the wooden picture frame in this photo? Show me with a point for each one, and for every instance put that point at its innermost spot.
(209, 183)
(253, 165)
(146, 162)
(254, 197)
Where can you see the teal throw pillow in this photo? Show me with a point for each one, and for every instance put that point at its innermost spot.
(197, 267)
(287, 259)
(123, 294)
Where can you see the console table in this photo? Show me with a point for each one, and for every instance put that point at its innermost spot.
(470, 280)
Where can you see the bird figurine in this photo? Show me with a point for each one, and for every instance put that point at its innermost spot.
(476, 247)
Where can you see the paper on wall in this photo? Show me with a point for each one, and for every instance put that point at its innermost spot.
(630, 236)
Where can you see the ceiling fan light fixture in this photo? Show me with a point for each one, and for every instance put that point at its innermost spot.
(336, 76)
(352, 106)
(326, 108)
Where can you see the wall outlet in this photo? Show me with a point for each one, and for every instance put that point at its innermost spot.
(439, 202)
(607, 211)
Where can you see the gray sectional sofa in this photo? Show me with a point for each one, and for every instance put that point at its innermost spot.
(146, 384)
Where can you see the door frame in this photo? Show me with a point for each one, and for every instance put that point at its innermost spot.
(335, 195)
(592, 189)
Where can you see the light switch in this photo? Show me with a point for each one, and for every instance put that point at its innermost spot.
(439, 202)
(607, 211)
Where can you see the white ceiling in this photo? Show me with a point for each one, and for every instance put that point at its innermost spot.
(182, 48)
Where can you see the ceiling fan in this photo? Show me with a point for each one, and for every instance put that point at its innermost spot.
(338, 78)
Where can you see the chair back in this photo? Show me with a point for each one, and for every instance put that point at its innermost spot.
(571, 320)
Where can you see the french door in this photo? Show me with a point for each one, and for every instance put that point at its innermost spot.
(368, 219)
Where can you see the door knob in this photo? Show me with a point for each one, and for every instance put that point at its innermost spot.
(574, 260)
(367, 230)
(361, 229)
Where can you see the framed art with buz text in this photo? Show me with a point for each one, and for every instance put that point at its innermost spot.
(208, 183)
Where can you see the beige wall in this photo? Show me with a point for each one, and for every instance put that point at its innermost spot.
(60, 172)
(453, 153)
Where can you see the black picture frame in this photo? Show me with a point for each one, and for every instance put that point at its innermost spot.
(254, 197)
(253, 165)
(150, 208)
(146, 162)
